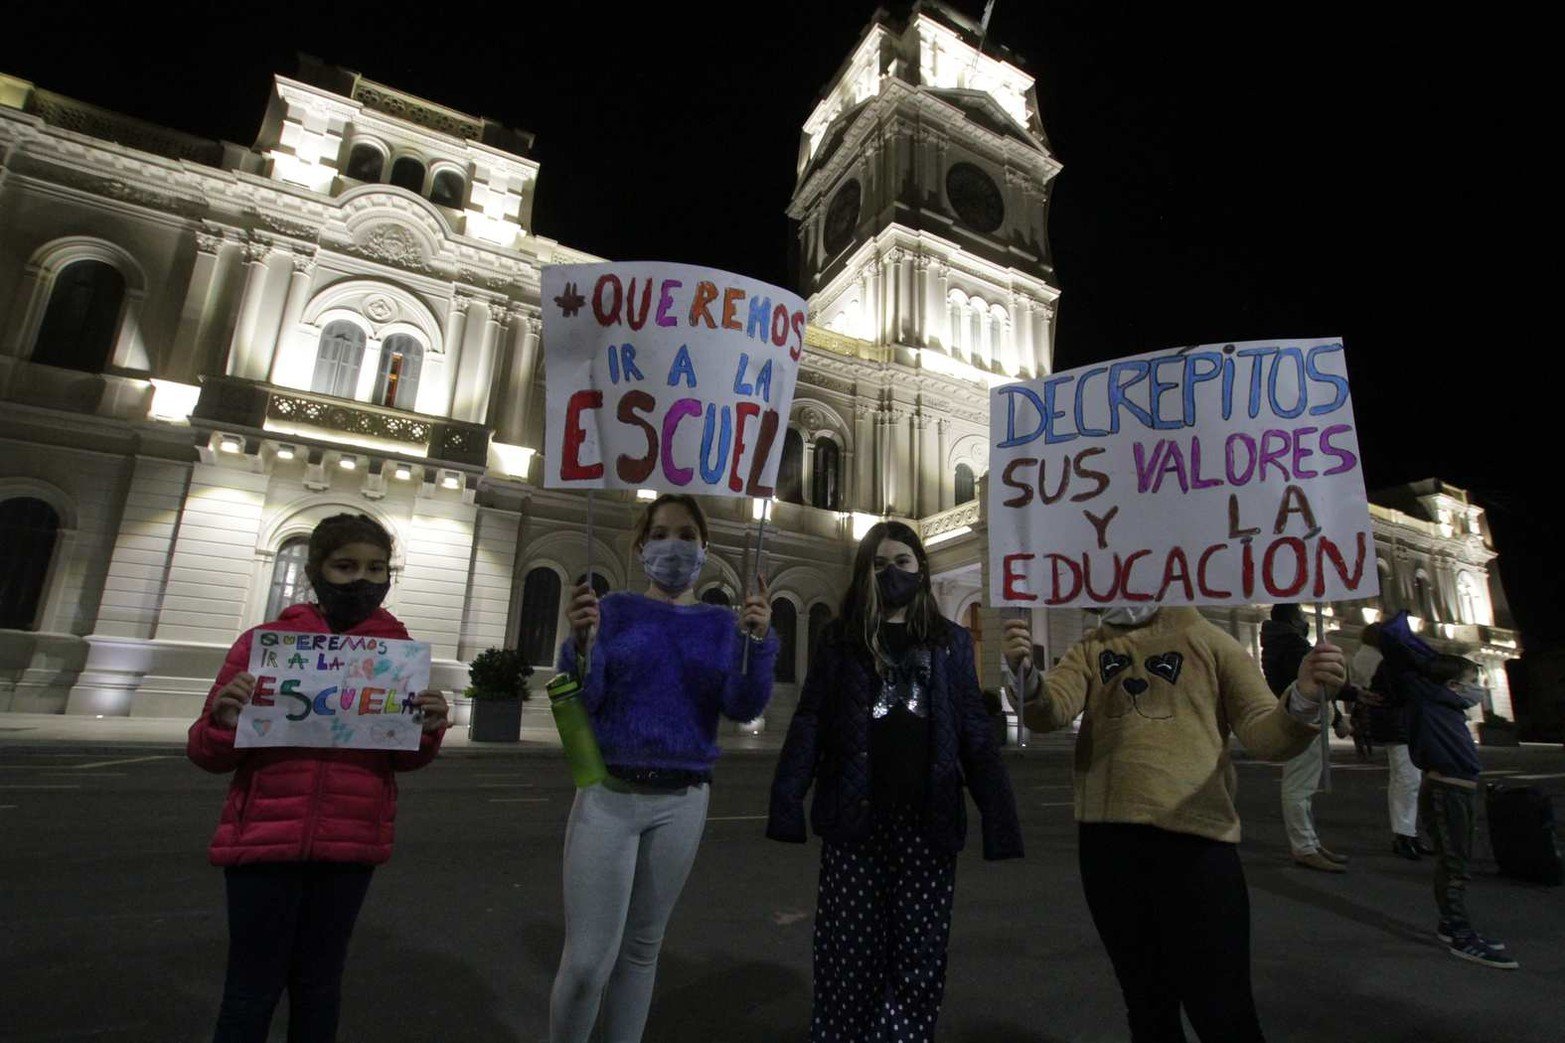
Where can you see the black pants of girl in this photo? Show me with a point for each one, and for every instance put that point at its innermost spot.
(288, 927)
(1174, 914)
(882, 920)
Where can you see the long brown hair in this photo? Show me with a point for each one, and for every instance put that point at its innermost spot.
(689, 503)
(862, 613)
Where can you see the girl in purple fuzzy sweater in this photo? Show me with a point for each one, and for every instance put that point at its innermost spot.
(663, 666)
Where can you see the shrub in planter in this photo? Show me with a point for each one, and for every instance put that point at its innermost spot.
(499, 677)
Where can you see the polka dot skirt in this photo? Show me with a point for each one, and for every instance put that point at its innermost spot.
(882, 920)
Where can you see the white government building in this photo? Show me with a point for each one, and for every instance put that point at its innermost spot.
(207, 348)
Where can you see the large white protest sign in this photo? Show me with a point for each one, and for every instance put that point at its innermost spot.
(667, 376)
(1227, 474)
(334, 690)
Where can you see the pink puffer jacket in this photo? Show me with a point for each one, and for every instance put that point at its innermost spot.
(295, 805)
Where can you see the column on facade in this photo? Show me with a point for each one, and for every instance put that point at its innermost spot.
(930, 464)
(213, 560)
(943, 466)
(1022, 331)
(243, 351)
(184, 360)
(874, 313)
(907, 312)
(486, 611)
(919, 293)
(1043, 350)
(432, 592)
(514, 424)
(479, 367)
(283, 348)
(863, 496)
(891, 294)
(899, 430)
(455, 331)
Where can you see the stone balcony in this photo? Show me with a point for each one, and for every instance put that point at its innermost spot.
(252, 406)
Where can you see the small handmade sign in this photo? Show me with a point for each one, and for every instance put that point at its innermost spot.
(343, 691)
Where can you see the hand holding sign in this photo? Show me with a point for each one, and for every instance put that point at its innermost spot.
(583, 614)
(231, 699)
(756, 616)
(1017, 645)
(432, 709)
(1324, 668)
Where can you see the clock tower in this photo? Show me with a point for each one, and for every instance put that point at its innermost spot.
(922, 200)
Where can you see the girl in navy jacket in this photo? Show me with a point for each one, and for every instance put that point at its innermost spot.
(889, 726)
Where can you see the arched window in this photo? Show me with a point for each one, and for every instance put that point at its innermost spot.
(408, 173)
(337, 360)
(820, 615)
(289, 583)
(826, 479)
(28, 528)
(1423, 596)
(790, 472)
(1389, 602)
(785, 621)
(600, 584)
(717, 596)
(83, 318)
(966, 486)
(396, 384)
(366, 163)
(540, 614)
(448, 189)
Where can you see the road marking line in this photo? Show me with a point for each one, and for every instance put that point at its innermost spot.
(1067, 804)
(112, 764)
(501, 775)
(735, 818)
(518, 800)
(65, 774)
(504, 785)
(1532, 778)
(8, 807)
(4, 785)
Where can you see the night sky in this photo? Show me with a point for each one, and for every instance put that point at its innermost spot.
(1231, 173)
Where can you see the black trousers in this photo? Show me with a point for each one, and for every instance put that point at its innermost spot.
(1450, 813)
(1174, 914)
(882, 921)
(288, 927)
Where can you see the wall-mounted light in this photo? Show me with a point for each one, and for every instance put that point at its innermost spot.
(231, 444)
(285, 452)
(348, 463)
(402, 473)
(450, 480)
(760, 508)
(646, 494)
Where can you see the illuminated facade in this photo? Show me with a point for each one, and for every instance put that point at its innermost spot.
(206, 348)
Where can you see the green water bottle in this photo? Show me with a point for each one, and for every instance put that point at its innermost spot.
(570, 717)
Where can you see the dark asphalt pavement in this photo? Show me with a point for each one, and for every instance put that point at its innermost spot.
(112, 927)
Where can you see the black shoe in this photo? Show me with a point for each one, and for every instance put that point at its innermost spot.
(1407, 847)
(1423, 846)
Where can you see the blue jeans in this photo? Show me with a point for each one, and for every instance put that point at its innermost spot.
(288, 927)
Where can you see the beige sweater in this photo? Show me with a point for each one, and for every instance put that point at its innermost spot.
(1161, 700)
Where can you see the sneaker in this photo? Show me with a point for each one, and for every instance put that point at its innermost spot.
(1446, 931)
(1406, 847)
(1480, 950)
(1341, 860)
(1316, 860)
(1423, 846)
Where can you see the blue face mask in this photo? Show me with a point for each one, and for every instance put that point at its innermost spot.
(673, 564)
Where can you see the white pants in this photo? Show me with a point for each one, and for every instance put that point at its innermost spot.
(1300, 781)
(1402, 790)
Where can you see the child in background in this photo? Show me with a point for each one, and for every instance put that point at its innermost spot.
(661, 667)
(1439, 690)
(302, 829)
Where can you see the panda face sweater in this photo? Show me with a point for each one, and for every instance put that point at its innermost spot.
(1160, 702)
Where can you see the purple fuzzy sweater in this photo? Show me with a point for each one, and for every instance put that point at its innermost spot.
(660, 675)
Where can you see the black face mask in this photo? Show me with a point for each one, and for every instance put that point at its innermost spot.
(346, 605)
(897, 586)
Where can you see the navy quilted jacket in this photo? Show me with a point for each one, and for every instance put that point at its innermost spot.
(828, 745)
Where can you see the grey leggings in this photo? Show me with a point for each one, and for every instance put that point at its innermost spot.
(628, 851)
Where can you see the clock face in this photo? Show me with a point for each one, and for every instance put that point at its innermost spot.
(842, 216)
(974, 197)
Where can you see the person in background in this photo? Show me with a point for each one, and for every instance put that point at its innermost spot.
(1387, 714)
(1439, 690)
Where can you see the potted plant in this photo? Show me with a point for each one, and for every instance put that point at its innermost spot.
(499, 677)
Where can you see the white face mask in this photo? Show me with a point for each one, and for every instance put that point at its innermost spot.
(1129, 615)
